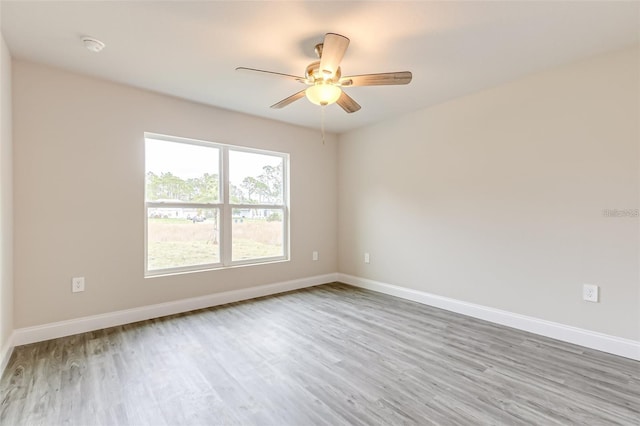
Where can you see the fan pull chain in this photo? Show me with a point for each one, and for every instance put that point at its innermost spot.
(322, 107)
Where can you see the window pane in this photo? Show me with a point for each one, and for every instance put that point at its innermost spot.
(181, 172)
(257, 233)
(255, 178)
(181, 237)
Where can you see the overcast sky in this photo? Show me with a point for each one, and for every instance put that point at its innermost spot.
(191, 161)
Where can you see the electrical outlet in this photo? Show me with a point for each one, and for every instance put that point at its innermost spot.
(590, 292)
(314, 255)
(77, 284)
(367, 259)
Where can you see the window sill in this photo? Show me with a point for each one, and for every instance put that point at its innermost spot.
(170, 273)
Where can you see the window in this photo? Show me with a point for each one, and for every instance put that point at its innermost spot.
(212, 205)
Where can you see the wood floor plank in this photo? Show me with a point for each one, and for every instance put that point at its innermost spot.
(328, 355)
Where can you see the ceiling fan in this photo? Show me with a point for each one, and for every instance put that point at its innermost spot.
(324, 77)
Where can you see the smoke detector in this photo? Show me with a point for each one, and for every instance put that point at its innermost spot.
(93, 44)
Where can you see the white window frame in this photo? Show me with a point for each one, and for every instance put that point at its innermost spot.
(225, 209)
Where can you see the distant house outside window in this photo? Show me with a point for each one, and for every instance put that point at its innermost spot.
(211, 205)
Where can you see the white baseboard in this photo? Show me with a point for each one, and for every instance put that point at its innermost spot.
(5, 353)
(23, 336)
(590, 339)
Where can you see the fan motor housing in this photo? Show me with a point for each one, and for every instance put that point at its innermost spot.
(313, 73)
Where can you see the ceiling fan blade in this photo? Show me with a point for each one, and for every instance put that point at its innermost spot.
(382, 79)
(295, 77)
(347, 103)
(286, 101)
(333, 49)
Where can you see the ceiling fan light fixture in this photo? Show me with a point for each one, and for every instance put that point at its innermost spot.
(323, 93)
(325, 77)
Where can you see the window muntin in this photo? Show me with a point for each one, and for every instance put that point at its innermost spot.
(212, 205)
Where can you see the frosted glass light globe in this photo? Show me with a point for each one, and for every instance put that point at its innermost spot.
(323, 93)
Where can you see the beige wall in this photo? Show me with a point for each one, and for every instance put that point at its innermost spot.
(497, 198)
(6, 199)
(79, 182)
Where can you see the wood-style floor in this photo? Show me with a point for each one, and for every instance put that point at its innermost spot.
(328, 355)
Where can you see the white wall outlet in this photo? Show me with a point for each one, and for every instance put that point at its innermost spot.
(314, 255)
(367, 259)
(590, 292)
(77, 284)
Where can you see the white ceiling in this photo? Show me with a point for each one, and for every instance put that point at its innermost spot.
(191, 49)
